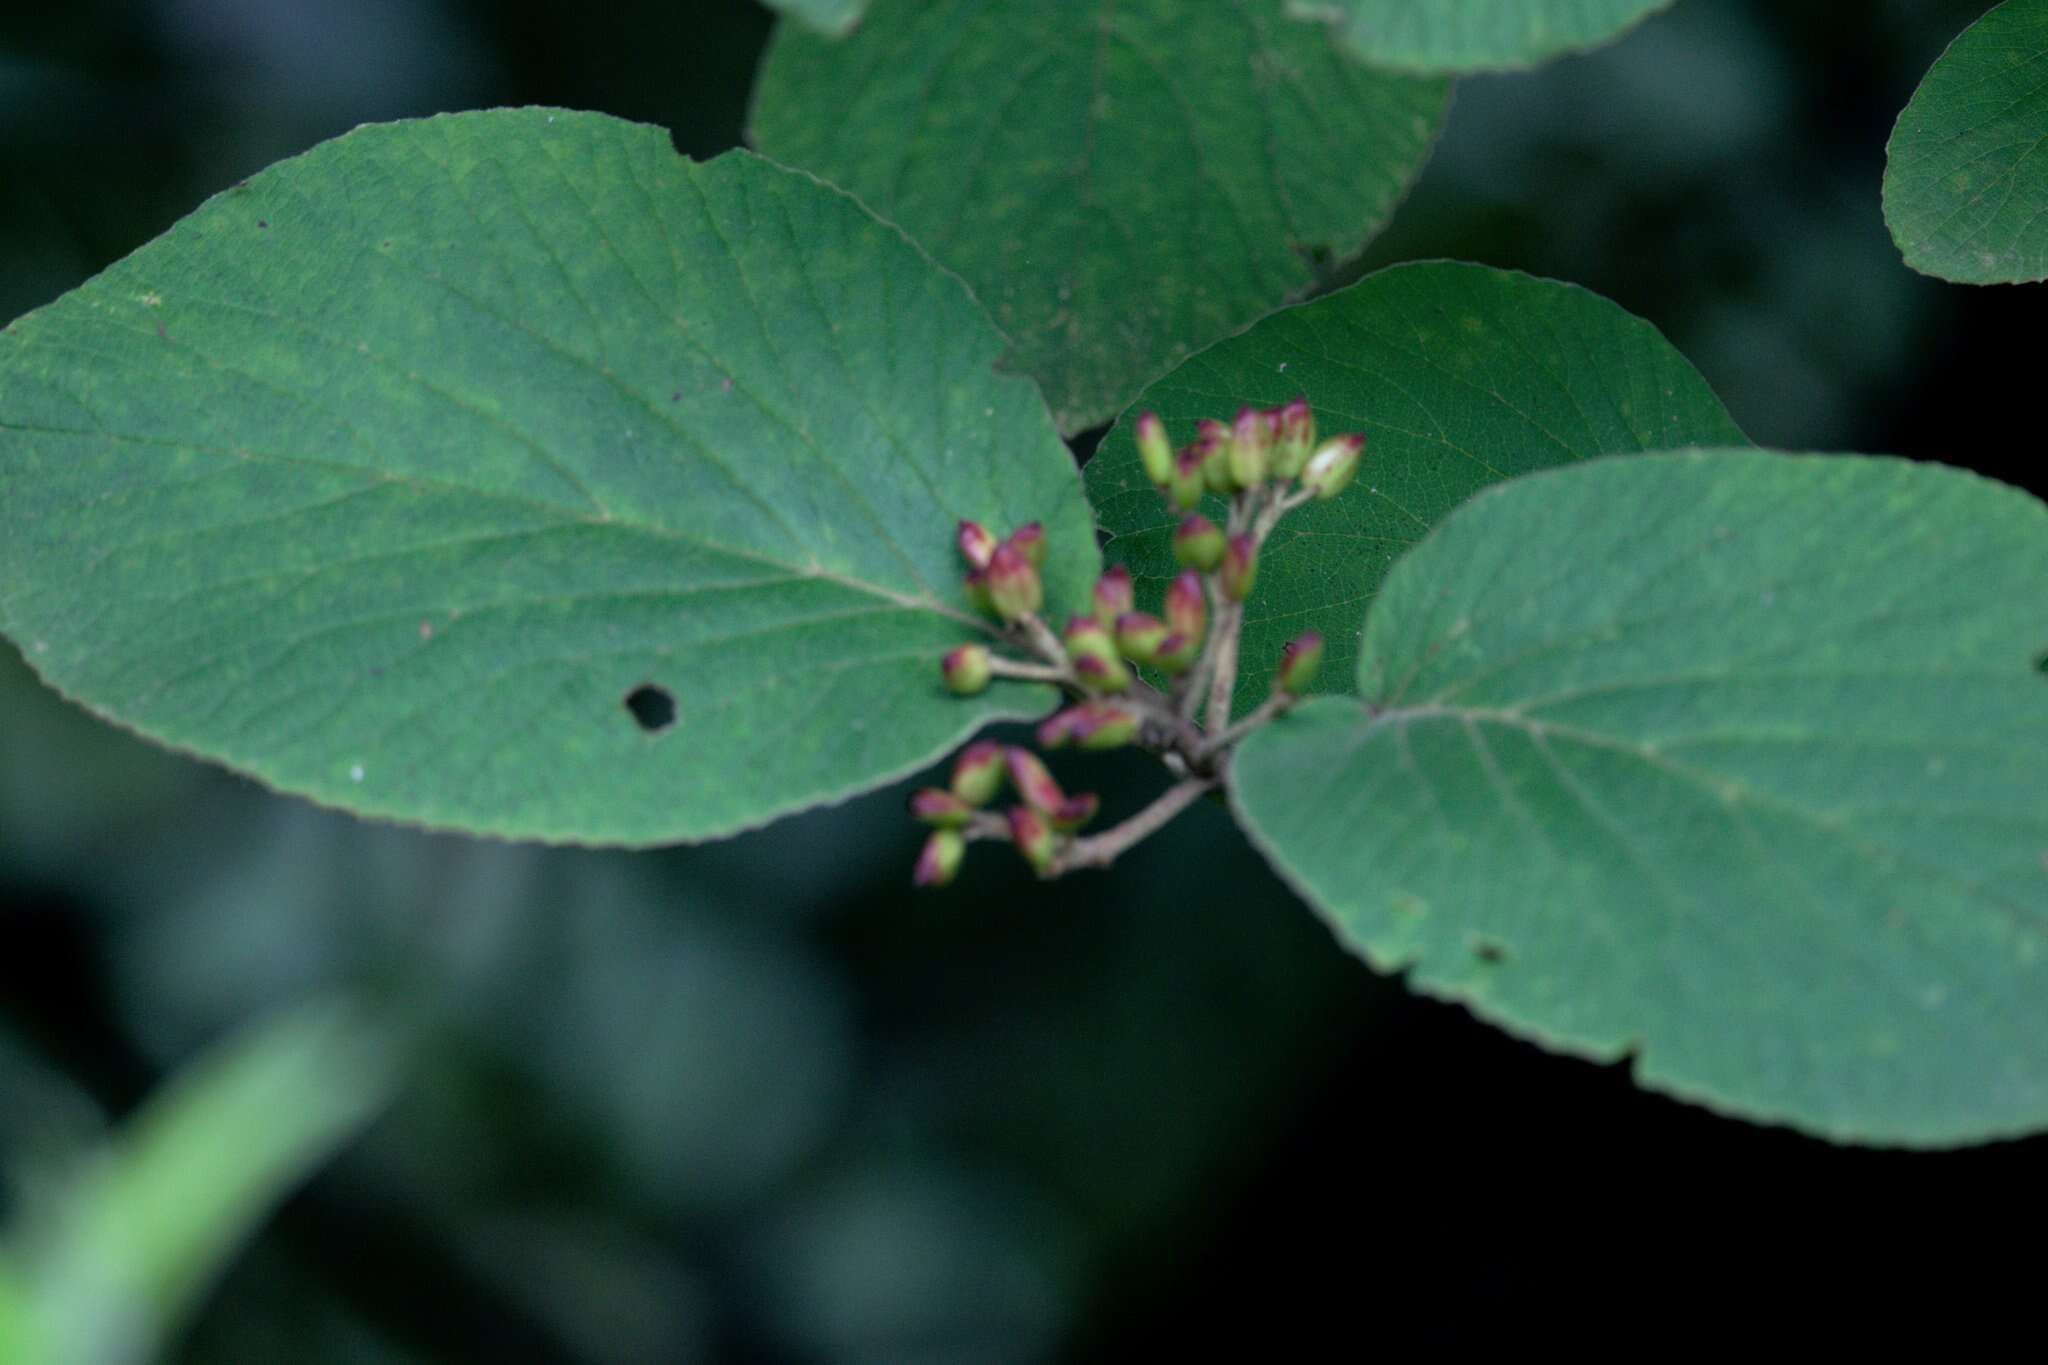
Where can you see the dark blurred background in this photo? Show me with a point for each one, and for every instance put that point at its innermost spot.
(755, 1101)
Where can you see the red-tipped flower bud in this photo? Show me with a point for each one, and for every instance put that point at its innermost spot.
(1075, 812)
(1299, 660)
(1094, 656)
(1198, 543)
(1155, 453)
(976, 544)
(1103, 725)
(1138, 634)
(1187, 609)
(1239, 569)
(966, 670)
(1185, 489)
(939, 861)
(942, 808)
(1013, 586)
(1251, 448)
(1176, 653)
(1057, 729)
(1033, 836)
(978, 772)
(1213, 439)
(1030, 542)
(1297, 438)
(1113, 595)
(1333, 466)
(1031, 779)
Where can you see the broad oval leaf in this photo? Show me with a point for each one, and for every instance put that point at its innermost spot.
(1730, 761)
(1460, 376)
(1965, 184)
(1474, 35)
(394, 475)
(1119, 182)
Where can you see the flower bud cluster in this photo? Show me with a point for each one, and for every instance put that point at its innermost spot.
(1263, 463)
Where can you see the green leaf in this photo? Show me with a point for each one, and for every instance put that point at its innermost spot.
(1119, 182)
(1449, 36)
(1729, 761)
(1965, 183)
(834, 18)
(1459, 375)
(390, 475)
(156, 1216)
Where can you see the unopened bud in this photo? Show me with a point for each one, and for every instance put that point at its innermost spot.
(978, 772)
(1095, 659)
(1213, 438)
(966, 670)
(1103, 725)
(1075, 812)
(1198, 543)
(1333, 466)
(1299, 660)
(976, 544)
(939, 861)
(1113, 595)
(1187, 608)
(1056, 730)
(1239, 569)
(1013, 587)
(942, 808)
(1297, 438)
(1030, 540)
(1033, 836)
(1185, 489)
(1251, 448)
(1138, 634)
(1155, 453)
(1031, 779)
(1176, 653)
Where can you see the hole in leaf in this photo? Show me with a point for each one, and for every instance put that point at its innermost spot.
(1488, 951)
(653, 708)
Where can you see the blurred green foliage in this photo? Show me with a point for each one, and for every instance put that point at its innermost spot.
(754, 1101)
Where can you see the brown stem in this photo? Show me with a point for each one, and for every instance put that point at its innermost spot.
(1102, 849)
(1223, 677)
(1276, 704)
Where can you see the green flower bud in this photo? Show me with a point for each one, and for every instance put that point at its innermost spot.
(978, 772)
(1251, 448)
(1034, 838)
(977, 591)
(1187, 607)
(1240, 568)
(1213, 439)
(1138, 634)
(1032, 781)
(1113, 595)
(1299, 660)
(1013, 586)
(1075, 812)
(1154, 451)
(1198, 543)
(1103, 725)
(932, 806)
(976, 544)
(1297, 438)
(1176, 654)
(939, 861)
(1185, 489)
(1094, 655)
(966, 670)
(1333, 466)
